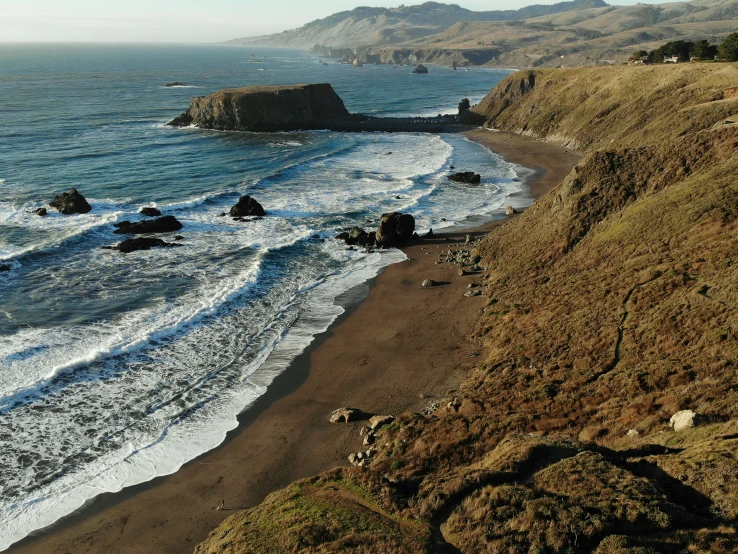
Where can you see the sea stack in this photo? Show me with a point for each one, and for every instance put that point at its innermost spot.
(71, 202)
(268, 108)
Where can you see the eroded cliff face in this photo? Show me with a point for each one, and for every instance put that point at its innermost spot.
(611, 306)
(269, 108)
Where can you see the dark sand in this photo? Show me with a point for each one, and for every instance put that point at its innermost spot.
(400, 349)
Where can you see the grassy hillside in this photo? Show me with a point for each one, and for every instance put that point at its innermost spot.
(365, 26)
(612, 304)
(585, 37)
(566, 34)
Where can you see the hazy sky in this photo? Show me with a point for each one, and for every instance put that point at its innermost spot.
(184, 20)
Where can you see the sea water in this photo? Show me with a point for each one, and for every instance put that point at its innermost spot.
(115, 369)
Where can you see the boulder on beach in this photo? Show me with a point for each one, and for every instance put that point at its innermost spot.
(468, 177)
(140, 243)
(428, 283)
(345, 415)
(247, 206)
(150, 212)
(165, 224)
(71, 202)
(510, 210)
(420, 68)
(394, 228)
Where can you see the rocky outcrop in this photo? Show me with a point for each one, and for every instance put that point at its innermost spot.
(165, 224)
(247, 206)
(420, 68)
(71, 202)
(377, 421)
(140, 243)
(40, 212)
(468, 177)
(267, 108)
(394, 228)
(683, 420)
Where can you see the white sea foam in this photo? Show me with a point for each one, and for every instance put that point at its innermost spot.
(57, 228)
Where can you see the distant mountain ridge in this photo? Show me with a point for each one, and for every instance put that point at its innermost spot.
(367, 26)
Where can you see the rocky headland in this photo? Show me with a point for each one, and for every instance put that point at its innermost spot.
(267, 108)
(296, 107)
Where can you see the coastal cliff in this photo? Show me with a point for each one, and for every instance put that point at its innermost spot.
(610, 309)
(266, 108)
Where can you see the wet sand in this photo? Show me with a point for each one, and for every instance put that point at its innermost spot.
(401, 348)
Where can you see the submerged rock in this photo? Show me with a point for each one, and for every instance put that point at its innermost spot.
(71, 202)
(468, 177)
(247, 206)
(140, 243)
(40, 211)
(165, 224)
(150, 212)
(4, 267)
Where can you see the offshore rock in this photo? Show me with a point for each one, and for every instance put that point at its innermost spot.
(165, 224)
(266, 108)
(247, 206)
(468, 177)
(40, 212)
(4, 267)
(420, 68)
(394, 228)
(71, 202)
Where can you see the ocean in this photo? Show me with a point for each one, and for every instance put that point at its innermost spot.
(114, 368)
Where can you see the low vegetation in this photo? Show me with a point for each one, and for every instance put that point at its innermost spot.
(683, 51)
(613, 304)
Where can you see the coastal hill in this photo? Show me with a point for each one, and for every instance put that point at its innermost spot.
(366, 26)
(568, 34)
(611, 306)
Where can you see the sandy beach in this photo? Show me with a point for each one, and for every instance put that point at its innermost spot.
(401, 348)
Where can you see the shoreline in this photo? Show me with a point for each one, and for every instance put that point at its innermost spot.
(285, 435)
